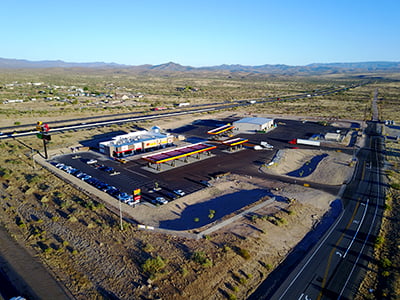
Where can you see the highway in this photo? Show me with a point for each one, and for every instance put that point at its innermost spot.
(336, 265)
(86, 123)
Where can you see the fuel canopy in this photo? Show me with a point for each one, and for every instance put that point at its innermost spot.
(177, 153)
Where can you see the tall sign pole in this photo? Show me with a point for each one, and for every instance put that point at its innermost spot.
(45, 148)
(43, 134)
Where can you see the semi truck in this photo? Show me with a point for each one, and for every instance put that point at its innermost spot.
(305, 142)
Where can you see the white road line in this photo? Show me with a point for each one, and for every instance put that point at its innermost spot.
(137, 173)
(312, 256)
(366, 239)
(358, 229)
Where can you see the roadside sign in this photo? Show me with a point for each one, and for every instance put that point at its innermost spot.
(137, 192)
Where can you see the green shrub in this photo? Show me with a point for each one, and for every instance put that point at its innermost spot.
(148, 247)
(379, 241)
(281, 221)
(386, 263)
(201, 258)
(72, 218)
(153, 266)
(244, 253)
(184, 272)
(385, 273)
(388, 207)
(231, 297)
(5, 173)
(395, 185)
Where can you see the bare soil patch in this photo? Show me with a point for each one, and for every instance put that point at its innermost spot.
(333, 169)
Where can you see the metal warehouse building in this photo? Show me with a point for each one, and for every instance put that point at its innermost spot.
(136, 142)
(252, 125)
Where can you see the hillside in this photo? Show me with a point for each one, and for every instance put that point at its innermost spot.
(311, 69)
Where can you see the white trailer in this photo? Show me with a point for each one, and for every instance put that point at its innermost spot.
(308, 142)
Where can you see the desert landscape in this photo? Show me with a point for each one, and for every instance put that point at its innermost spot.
(79, 240)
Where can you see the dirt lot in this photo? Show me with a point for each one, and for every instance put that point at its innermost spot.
(335, 166)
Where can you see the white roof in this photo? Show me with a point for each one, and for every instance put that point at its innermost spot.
(134, 137)
(254, 120)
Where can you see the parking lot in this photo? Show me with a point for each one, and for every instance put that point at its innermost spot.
(121, 179)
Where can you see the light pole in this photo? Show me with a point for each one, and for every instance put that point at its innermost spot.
(120, 215)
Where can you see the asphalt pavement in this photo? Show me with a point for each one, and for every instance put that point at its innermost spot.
(335, 266)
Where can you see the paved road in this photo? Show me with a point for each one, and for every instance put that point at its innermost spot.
(24, 275)
(375, 112)
(335, 266)
(116, 119)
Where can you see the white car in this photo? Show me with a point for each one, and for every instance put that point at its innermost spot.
(161, 200)
(179, 193)
(91, 161)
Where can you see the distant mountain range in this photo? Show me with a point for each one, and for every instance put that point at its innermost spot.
(316, 68)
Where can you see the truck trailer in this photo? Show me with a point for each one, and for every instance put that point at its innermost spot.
(305, 142)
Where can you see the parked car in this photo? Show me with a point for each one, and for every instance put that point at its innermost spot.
(101, 185)
(121, 160)
(109, 170)
(171, 196)
(71, 170)
(155, 202)
(93, 181)
(205, 183)
(132, 202)
(124, 197)
(161, 200)
(80, 174)
(91, 161)
(86, 177)
(113, 191)
(179, 193)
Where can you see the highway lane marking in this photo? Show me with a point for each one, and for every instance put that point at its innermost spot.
(335, 247)
(305, 297)
(367, 237)
(312, 256)
(358, 229)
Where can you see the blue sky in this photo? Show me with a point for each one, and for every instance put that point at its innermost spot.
(201, 33)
